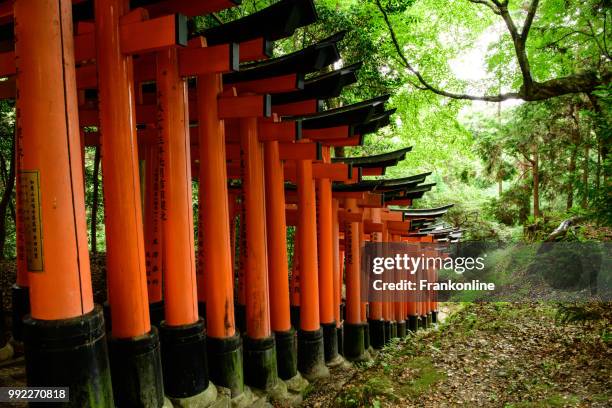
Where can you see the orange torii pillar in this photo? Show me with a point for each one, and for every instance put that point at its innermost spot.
(311, 354)
(354, 328)
(400, 318)
(64, 336)
(153, 232)
(435, 310)
(393, 310)
(412, 304)
(134, 347)
(260, 369)
(387, 304)
(364, 283)
(20, 292)
(294, 282)
(326, 266)
(182, 333)
(276, 224)
(223, 341)
(431, 253)
(375, 319)
(421, 274)
(337, 274)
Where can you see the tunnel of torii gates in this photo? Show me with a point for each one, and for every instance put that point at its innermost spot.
(166, 106)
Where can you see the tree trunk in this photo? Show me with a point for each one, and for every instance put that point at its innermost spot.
(7, 195)
(94, 203)
(571, 169)
(598, 168)
(585, 178)
(536, 183)
(500, 187)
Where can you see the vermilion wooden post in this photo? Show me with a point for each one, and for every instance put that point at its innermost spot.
(434, 304)
(429, 307)
(260, 366)
(20, 292)
(354, 329)
(363, 282)
(421, 296)
(153, 233)
(311, 358)
(412, 304)
(276, 224)
(387, 304)
(52, 210)
(134, 348)
(400, 322)
(294, 282)
(242, 265)
(326, 266)
(224, 343)
(375, 320)
(337, 273)
(182, 332)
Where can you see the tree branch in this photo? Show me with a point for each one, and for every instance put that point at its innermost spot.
(563, 37)
(533, 7)
(529, 90)
(492, 6)
(519, 41)
(427, 85)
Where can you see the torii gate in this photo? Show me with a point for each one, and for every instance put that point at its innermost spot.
(234, 118)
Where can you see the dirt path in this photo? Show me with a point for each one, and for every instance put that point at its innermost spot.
(488, 355)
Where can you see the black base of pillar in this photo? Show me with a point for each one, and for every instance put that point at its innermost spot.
(413, 323)
(401, 329)
(202, 310)
(366, 335)
(286, 353)
(260, 362)
(240, 314)
(423, 322)
(225, 361)
(377, 333)
(294, 313)
(330, 341)
(354, 342)
(340, 335)
(70, 353)
(434, 317)
(136, 371)
(184, 367)
(388, 332)
(107, 317)
(156, 313)
(393, 329)
(429, 319)
(20, 308)
(311, 354)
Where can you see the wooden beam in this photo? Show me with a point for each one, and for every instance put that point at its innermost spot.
(370, 226)
(300, 151)
(208, 60)
(190, 8)
(327, 133)
(281, 131)
(154, 34)
(255, 50)
(297, 108)
(234, 107)
(283, 83)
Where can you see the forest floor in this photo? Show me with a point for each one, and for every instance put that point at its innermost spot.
(484, 355)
